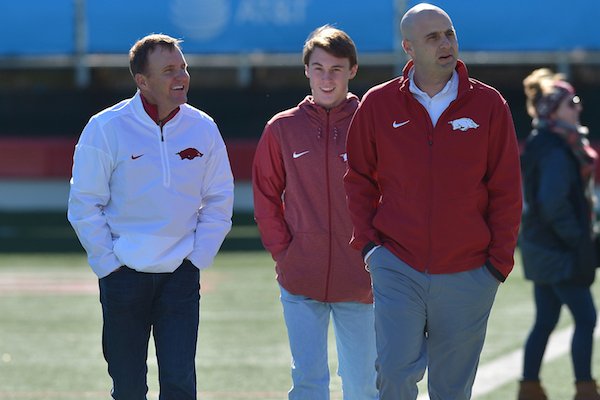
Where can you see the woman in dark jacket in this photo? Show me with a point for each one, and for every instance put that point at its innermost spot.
(557, 231)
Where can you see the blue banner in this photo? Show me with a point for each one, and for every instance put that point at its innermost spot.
(37, 27)
(524, 25)
(43, 27)
(234, 26)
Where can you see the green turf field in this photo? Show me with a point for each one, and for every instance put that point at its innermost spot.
(50, 332)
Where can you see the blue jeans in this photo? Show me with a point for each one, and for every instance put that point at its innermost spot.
(428, 321)
(548, 301)
(133, 304)
(307, 322)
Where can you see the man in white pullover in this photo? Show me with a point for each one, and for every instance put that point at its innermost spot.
(151, 201)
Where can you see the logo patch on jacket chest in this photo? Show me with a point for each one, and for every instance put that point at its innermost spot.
(190, 153)
(298, 155)
(463, 124)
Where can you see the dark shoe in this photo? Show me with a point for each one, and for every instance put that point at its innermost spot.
(586, 390)
(531, 390)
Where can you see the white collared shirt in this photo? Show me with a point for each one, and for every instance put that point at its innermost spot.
(435, 105)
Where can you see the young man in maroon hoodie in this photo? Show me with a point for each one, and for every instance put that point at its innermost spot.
(300, 209)
(434, 192)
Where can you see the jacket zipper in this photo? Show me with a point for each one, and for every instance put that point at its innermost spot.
(327, 188)
(164, 157)
(430, 208)
(429, 138)
(431, 179)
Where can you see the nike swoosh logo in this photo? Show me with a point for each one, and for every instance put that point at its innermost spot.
(135, 157)
(296, 155)
(399, 124)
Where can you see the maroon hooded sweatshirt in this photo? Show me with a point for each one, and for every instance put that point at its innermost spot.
(300, 203)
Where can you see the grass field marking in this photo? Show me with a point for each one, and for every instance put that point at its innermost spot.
(19, 283)
(83, 395)
(493, 374)
(16, 283)
(226, 395)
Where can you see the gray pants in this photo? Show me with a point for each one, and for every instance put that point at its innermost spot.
(433, 321)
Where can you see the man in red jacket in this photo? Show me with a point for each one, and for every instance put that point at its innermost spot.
(434, 193)
(300, 209)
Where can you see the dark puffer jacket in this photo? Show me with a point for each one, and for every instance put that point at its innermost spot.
(556, 239)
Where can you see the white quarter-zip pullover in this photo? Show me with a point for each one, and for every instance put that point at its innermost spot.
(149, 196)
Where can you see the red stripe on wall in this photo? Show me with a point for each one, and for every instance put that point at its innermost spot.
(52, 158)
(24, 158)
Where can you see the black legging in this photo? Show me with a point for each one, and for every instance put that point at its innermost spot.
(549, 300)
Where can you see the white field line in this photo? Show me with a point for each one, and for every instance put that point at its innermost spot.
(493, 374)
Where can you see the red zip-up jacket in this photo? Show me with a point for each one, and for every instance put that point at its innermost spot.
(300, 205)
(443, 199)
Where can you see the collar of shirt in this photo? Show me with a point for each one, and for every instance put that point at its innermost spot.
(152, 111)
(437, 104)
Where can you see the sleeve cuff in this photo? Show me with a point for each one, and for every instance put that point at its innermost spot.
(366, 257)
(367, 249)
(497, 274)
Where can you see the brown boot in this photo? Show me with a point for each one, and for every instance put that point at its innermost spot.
(531, 390)
(586, 390)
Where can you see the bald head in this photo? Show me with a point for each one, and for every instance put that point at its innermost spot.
(416, 14)
(429, 38)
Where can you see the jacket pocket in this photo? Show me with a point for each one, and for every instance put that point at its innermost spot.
(544, 265)
(303, 267)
